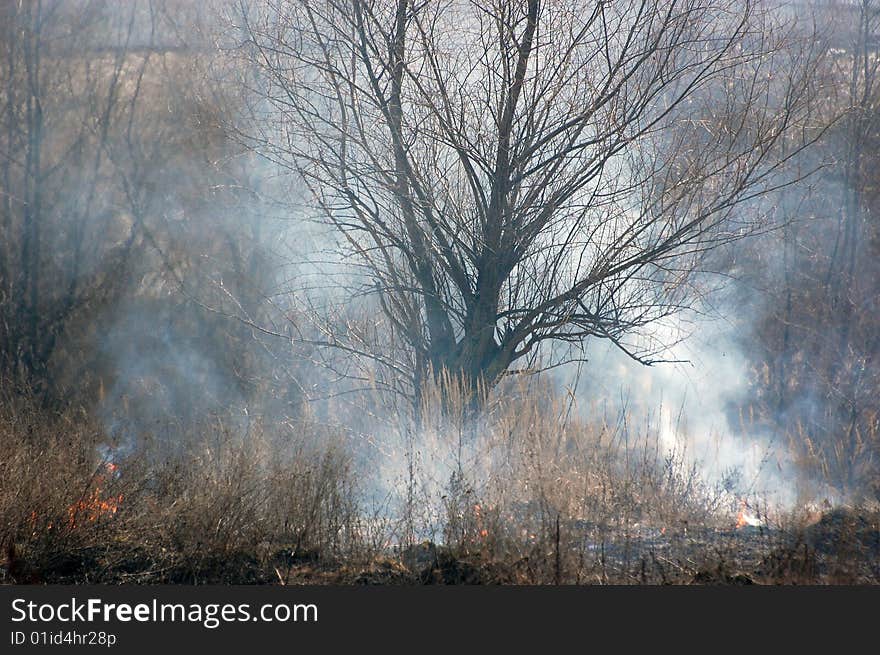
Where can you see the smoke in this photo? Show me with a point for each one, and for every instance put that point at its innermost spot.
(164, 377)
(696, 404)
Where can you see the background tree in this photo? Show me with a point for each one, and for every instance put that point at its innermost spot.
(60, 112)
(127, 214)
(812, 321)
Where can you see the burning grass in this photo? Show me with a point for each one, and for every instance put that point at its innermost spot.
(529, 494)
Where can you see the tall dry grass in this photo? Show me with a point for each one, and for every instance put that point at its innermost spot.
(220, 505)
(533, 489)
(569, 494)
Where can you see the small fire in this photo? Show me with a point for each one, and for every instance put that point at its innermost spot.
(478, 515)
(92, 507)
(747, 518)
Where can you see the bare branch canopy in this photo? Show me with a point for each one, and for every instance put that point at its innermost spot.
(517, 173)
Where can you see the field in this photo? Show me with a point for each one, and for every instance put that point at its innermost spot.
(532, 499)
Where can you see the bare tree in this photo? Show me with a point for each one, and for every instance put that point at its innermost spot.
(512, 174)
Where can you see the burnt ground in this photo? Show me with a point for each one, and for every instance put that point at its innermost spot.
(843, 547)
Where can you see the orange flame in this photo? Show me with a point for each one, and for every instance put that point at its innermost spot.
(745, 517)
(92, 507)
(481, 530)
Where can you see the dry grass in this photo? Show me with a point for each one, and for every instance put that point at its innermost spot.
(529, 492)
(220, 506)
